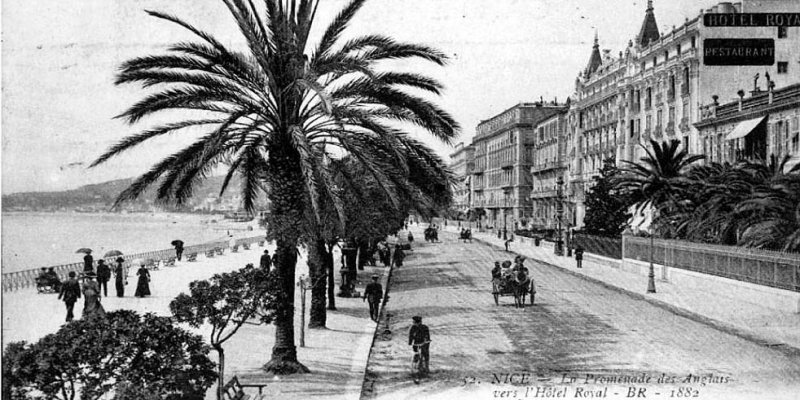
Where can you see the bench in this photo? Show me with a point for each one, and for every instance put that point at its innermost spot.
(220, 251)
(246, 246)
(210, 253)
(151, 264)
(233, 390)
(235, 248)
(170, 262)
(191, 257)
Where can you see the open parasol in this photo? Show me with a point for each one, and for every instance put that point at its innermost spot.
(84, 250)
(112, 253)
(177, 242)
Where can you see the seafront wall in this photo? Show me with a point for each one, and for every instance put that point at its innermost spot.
(27, 278)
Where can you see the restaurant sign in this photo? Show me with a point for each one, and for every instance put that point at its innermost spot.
(738, 51)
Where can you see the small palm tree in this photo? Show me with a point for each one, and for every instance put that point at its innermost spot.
(274, 114)
(656, 182)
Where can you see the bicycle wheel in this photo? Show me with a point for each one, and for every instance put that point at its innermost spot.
(415, 367)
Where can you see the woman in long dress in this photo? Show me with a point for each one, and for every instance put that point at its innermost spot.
(91, 298)
(120, 277)
(143, 284)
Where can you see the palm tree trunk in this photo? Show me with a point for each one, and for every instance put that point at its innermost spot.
(284, 352)
(316, 270)
(285, 220)
(331, 283)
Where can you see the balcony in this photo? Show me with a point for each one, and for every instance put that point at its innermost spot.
(670, 128)
(507, 164)
(658, 131)
(478, 170)
(543, 193)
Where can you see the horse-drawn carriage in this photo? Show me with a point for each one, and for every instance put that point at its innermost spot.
(517, 284)
(465, 235)
(519, 290)
(431, 234)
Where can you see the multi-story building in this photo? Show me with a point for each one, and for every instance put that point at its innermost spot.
(504, 146)
(654, 89)
(461, 163)
(763, 127)
(549, 163)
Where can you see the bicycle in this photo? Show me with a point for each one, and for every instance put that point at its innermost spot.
(417, 362)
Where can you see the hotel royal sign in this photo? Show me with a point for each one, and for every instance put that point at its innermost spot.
(744, 51)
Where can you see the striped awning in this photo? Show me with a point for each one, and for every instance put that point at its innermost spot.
(744, 128)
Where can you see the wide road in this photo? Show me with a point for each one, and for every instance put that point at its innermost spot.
(580, 339)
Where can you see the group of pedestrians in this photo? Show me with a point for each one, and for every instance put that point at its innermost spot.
(94, 285)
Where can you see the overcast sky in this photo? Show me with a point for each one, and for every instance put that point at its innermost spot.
(59, 59)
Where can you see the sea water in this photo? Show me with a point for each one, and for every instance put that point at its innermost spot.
(38, 239)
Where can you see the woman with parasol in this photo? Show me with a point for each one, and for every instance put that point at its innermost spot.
(91, 297)
(88, 260)
(143, 283)
(178, 248)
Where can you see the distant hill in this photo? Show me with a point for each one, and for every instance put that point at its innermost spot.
(101, 196)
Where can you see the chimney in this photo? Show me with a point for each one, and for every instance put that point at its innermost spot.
(741, 98)
(771, 89)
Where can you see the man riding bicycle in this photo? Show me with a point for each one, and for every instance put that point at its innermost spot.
(419, 337)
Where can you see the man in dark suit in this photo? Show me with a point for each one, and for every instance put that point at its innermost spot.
(421, 336)
(103, 276)
(88, 262)
(70, 293)
(374, 294)
(266, 260)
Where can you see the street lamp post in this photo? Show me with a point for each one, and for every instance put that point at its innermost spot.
(559, 248)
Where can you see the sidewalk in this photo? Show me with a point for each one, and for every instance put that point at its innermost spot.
(751, 321)
(337, 356)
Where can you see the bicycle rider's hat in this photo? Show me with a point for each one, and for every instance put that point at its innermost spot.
(417, 318)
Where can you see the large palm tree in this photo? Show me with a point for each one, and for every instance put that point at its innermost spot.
(774, 207)
(656, 181)
(274, 113)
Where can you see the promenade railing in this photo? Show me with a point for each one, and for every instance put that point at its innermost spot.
(27, 278)
(763, 267)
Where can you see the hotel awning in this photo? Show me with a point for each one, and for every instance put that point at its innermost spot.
(744, 128)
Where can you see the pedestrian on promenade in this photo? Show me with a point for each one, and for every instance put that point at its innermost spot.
(143, 283)
(103, 276)
(178, 249)
(420, 335)
(579, 255)
(410, 237)
(398, 256)
(91, 298)
(231, 242)
(70, 293)
(120, 277)
(88, 262)
(374, 294)
(266, 260)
